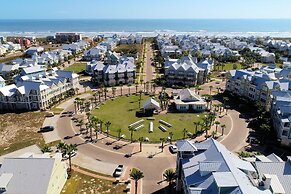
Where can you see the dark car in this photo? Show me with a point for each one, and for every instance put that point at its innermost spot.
(47, 128)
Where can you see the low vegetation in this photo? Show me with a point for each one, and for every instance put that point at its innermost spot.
(129, 49)
(80, 183)
(20, 130)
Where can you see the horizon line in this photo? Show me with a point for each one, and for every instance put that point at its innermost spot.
(146, 19)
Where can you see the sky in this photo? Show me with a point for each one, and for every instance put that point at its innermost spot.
(144, 9)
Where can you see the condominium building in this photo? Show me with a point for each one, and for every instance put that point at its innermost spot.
(38, 91)
(281, 116)
(115, 70)
(187, 71)
(209, 168)
(257, 85)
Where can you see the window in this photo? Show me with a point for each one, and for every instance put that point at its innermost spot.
(286, 124)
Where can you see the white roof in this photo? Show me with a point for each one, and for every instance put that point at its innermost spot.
(151, 104)
(31, 175)
(275, 183)
(224, 179)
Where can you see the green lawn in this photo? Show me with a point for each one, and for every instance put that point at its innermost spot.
(230, 66)
(80, 183)
(77, 67)
(121, 113)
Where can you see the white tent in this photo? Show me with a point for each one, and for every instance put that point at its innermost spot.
(151, 104)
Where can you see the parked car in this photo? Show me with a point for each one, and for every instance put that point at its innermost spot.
(173, 149)
(72, 155)
(47, 129)
(118, 171)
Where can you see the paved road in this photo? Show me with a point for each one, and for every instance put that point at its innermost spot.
(236, 139)
(149, 69)
(152, 168)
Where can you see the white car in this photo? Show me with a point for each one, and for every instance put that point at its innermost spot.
(72, 155)
(118, 171)
(173, 149)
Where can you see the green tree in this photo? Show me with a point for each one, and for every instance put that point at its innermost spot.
(141, 139)
(170, 176)
(216, 125)
(131, 129)
(136, 175)
(107, 124)
(46, 149)
(69, 150)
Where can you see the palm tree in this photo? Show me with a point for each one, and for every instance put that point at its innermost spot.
(136, 175)
(162, 142)
(61, 146)
(140, 143)
(128, 88)
(113, 92)
(90, 126)
(223, 126)
(69, 150)
(216, 125)
(170, 176)
(101, 124)
(184, 133)
(96, 133)
(81, 123)
(171, 136)
(45, 149)
(119, 133)
(131, 129)
(107, 124)
(105, 93)
(95, 98)
(196, 123)
(121, 90)
(99, 95)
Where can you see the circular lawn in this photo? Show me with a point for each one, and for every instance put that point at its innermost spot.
(121, 112)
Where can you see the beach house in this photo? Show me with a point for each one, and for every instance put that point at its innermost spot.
(30, 173)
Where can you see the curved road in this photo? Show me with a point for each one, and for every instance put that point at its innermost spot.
(153, 168)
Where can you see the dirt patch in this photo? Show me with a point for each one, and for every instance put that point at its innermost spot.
(20, 130)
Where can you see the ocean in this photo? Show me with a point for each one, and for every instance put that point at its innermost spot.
(231, 27)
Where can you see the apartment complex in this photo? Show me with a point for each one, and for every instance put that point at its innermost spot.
(38, 89)
(208, 167)
(114, 70)
(187, 71)
(270, 87)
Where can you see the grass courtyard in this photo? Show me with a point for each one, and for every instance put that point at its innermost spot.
(121, 113)
(77, 67)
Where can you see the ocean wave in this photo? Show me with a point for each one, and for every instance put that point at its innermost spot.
(285, 34)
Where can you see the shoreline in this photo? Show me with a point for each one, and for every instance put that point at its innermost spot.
(41, 34)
